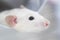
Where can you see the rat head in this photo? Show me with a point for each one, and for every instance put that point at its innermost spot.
(25, 20)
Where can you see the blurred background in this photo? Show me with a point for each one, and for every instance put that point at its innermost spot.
(50, 9)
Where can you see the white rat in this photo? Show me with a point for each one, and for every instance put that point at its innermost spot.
(24, 20)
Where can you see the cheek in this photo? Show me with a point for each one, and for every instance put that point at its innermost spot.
(40, 25)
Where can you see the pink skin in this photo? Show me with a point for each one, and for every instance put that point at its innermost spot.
(46, 24)
(11, 20)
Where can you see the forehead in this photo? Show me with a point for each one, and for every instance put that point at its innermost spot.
(22, 12)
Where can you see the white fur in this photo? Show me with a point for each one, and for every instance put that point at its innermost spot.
(23, 22)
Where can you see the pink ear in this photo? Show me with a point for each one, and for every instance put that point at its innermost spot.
(11, 20)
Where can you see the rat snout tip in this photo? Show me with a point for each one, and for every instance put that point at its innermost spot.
(46, 23)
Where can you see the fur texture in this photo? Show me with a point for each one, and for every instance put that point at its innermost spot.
(23, 23)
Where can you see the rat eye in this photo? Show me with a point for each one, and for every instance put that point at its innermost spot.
(31, 18)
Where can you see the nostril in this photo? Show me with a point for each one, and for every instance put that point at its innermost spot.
(46, 24)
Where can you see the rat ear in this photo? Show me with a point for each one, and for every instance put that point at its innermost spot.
(11, 20)
(22, 6)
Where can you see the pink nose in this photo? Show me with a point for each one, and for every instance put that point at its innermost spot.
(46, 23)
